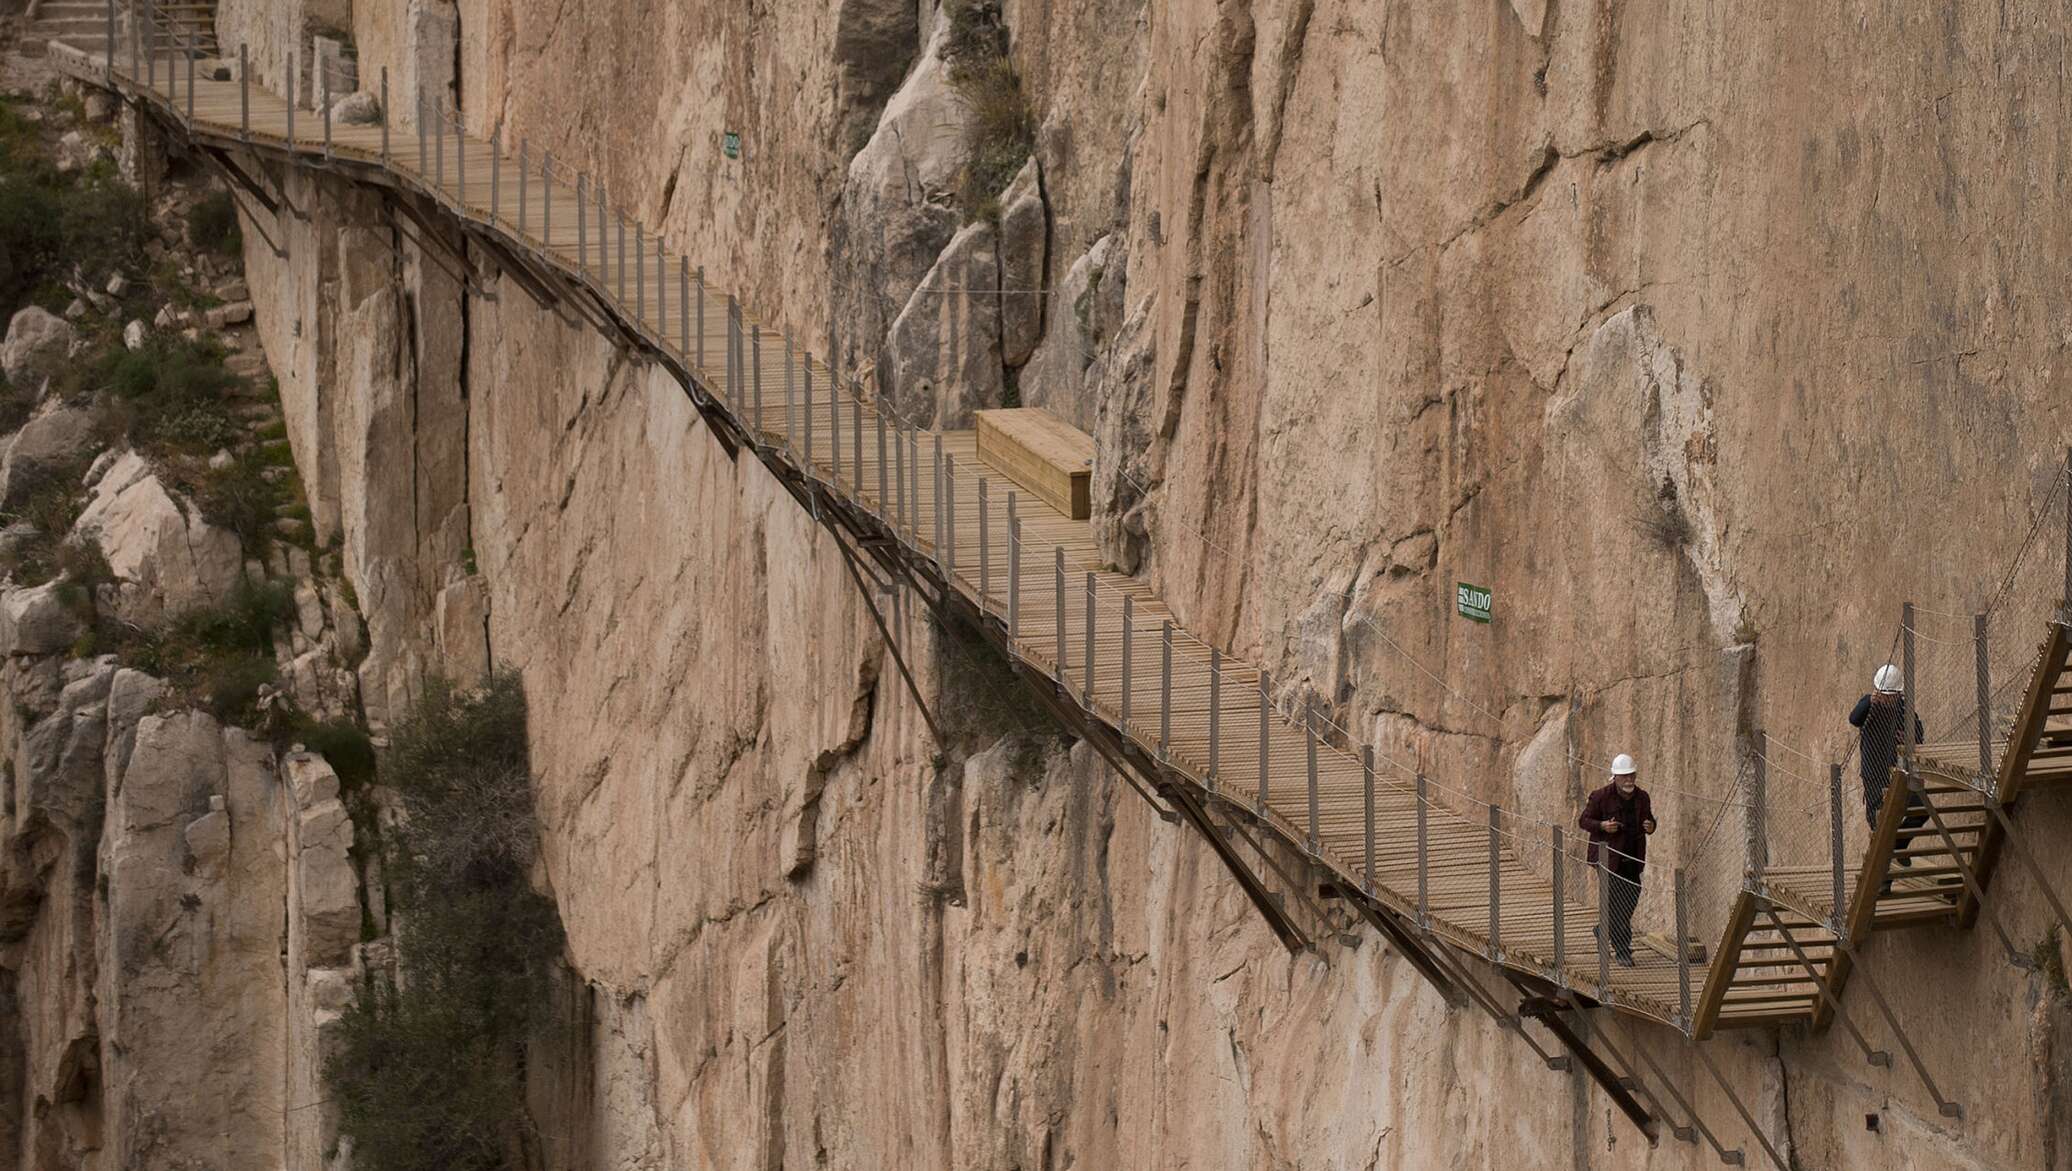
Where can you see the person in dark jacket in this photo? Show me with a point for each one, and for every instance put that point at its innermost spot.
(1877, 722)
(1619, 817)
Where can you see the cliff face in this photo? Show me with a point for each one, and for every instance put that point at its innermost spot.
(1358, 301)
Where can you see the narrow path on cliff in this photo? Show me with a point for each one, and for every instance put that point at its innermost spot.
(1302, 815)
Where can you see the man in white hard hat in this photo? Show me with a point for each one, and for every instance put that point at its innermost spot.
(1877, 719)
(1619, 817)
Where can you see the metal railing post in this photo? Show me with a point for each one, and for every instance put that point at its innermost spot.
(547, 200)
(1014, 568)
(1683, 950)
(639, 272)
(985, 548)
(701, 315)
(619, 218)
(855, 441)
(1265, 715)
(1834, 845)
(935, 457)
(327, 123)
(1309, 737)
(460, 157)
(1367, 812)
(150, 45)
(683, 304)
(496, 173)
(661, 292)
(1496, 893)
(809, 453)
(755, 379)
(913, 469)
(734, 394)
(1215, 715)
(1129, 622)
(191, 54)
(1058, 609)
(2065, 599)
(438, 141)
(109, 51)
(1165, 693)
(1424, 878)
(1907, 714)
(949, 512)
(806, 380)
(1604, 920)
(1987, 778)
(1758, 803)
(386, 117)
(582, 221)
(834, 427)
(791, 399)
(1086, 682)
(902, 514)
(244, 95)
(604, 242)
(884, 490)
(1560, 912)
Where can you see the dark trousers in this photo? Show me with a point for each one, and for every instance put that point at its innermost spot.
(1621, 895)
(1874, 804)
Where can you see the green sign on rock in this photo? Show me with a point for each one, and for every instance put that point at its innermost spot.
(1472, 600)
(730, 144)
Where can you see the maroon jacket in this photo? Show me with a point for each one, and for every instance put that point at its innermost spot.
(1606, 805)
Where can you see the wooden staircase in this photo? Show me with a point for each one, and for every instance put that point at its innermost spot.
(1778, 946)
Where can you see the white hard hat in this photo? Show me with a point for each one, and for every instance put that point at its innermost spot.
(1622, 766)
(1887, 679)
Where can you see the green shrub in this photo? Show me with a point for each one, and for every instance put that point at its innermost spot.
(431, 1073)
(53, 224)
(212, 224)
(345, 745)
(172, 395)
(105, 222)
(241, 498)
(1001, 133)
(214, 656)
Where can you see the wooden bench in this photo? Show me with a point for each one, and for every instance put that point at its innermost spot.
(1042, 454)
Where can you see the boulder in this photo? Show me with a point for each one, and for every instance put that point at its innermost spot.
(945, 345)
(133, 336)
(37, 346)
(225, 316)
(166, 556)
(36, 621)
(51, 444)
(1024, 243)
(117, 285)
(357, 109)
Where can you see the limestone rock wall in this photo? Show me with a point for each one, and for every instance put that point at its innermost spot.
(1358, 301)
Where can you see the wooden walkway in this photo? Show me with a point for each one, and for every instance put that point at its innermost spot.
(1466, 875)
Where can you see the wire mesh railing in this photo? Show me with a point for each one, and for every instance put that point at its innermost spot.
(1520, 889)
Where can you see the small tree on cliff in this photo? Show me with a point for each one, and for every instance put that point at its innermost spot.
(430, 1073)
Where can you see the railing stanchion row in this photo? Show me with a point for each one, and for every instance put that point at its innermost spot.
(583, 227)
(701, 312)
(191, 55)
(661, 292)
(884, 501)
(639, 274)
(327, 121)
(244, 97)
(902, 514)
(755, 369)
(385, 117)
(855, 443)
(547, 201)
(683, 305)
(935, 468)
(496, 173)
